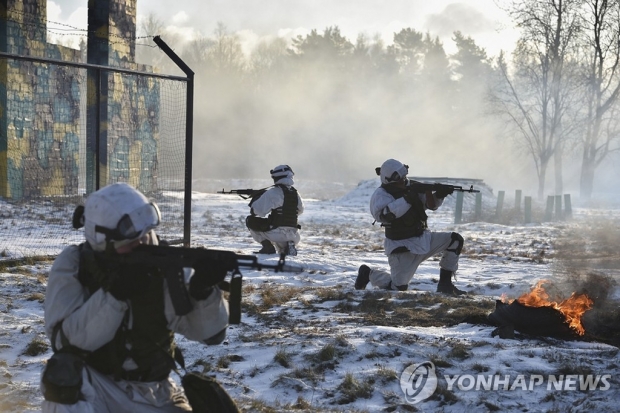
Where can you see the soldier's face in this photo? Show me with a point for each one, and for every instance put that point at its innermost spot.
(402, 183)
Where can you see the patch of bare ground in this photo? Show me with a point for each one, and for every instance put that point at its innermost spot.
(415, 309)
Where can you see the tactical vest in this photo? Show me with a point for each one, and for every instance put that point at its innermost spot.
(286, 215)
(411, 224)
(149, 342)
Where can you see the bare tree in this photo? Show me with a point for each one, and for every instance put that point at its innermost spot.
(196, 52)
(537, 95)
(600, 58)
(147, 51)
(225, 54)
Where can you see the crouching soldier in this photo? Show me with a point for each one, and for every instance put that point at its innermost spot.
(113, 332)
(283, 205)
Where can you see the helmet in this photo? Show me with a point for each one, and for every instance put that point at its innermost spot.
(392, 171)
(281, 172)
(118, 214)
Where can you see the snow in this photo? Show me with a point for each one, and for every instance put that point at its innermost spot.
(309, 342)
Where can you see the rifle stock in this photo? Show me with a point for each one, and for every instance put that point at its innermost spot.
(171, 261)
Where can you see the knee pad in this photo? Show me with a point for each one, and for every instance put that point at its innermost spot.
(456, 237)
(402, 287)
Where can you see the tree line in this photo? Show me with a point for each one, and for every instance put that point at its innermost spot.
(554, 98)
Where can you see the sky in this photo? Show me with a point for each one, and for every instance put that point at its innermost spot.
(483, 20)
(316, 337)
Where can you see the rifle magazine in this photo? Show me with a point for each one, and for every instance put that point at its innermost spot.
(234, 299)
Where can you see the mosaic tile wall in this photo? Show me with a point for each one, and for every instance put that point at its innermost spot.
(48, 112)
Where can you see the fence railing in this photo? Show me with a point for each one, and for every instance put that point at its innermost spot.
(70, 128)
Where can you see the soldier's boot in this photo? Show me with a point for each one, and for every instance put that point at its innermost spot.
(268, 248)
(363, 277)
(445, 285)
(290, 249)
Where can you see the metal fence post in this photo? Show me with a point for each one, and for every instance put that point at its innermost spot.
(458, 210)
(527, 207)
(568, 208)
(500, 203)
(478, 212)
(549, 210)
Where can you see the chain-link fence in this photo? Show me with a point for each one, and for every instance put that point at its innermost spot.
(67, 129)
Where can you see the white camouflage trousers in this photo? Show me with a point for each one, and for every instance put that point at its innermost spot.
(278, 236)
(404, 265)
(104, 395)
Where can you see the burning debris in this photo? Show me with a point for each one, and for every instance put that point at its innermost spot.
(534, 313)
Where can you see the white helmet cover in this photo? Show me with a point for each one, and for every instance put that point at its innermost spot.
(120, 213)
(393, 171)
(281, 172)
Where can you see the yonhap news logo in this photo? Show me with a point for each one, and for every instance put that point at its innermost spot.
(418, 382)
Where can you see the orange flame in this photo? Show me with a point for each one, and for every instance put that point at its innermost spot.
(572, 308)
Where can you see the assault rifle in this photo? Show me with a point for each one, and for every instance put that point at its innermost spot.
(171, 261)
(419, 187)
(245, 193)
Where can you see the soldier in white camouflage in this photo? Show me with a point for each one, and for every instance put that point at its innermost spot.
(408, 241)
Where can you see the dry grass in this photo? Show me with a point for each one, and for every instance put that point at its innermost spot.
(352, 389)
(36, 347)
(283, 357)
(412, 309)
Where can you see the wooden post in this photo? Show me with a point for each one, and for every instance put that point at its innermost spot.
(549, 210)
(500, 203)
(558, 207)
(527, 206)
(518, 200)
(478, 206)
(568, 209)
(458, 210)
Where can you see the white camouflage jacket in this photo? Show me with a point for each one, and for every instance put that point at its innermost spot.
(273, 198)
(382, 203)
(89, 322)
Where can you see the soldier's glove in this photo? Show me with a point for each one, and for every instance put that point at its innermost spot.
(129, 281)
(444, 191)
(411, 197)
(207, 273)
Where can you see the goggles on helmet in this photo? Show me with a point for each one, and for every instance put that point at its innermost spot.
(134, 224)
(398, 175)
(284, 168)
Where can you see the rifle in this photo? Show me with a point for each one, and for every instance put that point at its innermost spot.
(170, 262)
(419, 187)
(245, 193)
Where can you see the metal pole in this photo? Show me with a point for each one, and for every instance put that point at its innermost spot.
(189, 136)
(98, 131)
(458, 210)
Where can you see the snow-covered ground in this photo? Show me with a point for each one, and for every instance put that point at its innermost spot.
(310, 342)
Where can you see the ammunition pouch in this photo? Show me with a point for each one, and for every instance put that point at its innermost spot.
(257, 223)
(62, 378)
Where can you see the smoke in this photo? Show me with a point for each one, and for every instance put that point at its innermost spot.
(330, 128)
(337, 123)
(459, 17)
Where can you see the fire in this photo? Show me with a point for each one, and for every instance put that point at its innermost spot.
(572, 308)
